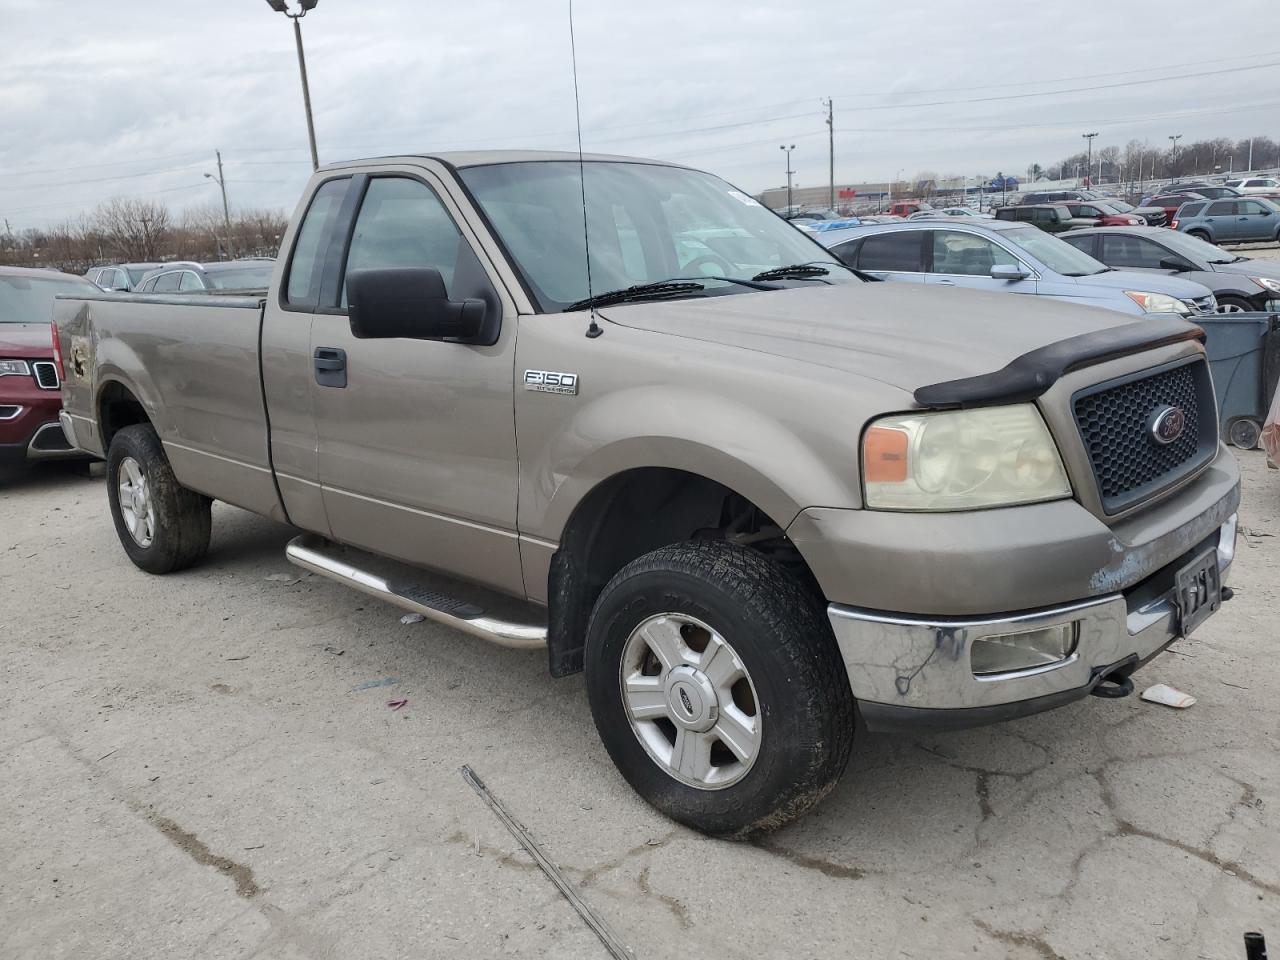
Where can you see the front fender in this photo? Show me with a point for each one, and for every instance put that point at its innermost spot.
(775, 459)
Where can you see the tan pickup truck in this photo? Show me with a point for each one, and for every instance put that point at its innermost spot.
(754, 496)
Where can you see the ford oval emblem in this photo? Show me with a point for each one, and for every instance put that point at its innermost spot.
(1166, 424)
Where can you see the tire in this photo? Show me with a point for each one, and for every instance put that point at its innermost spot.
(170, 524)
(796, 695)
(1234, 305)
(1200, 235)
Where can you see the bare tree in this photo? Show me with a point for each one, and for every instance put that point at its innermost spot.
(133, 229)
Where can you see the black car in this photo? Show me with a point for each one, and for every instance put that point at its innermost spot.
(1207, 190)
(183, 276)
(1049, 217)
(1238, 283)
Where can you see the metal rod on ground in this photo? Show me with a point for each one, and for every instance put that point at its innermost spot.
(610, 940)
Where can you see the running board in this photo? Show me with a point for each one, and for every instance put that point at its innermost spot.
(319, 556)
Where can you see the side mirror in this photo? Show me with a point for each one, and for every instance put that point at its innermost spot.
(1009, 271)
(1176, 264)
(409, 302)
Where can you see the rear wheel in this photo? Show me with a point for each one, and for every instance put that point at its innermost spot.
(161, 524)
(717, 687)
(1200, 235)
(1233, 305)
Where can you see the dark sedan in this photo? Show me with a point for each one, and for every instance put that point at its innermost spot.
(1239, 283)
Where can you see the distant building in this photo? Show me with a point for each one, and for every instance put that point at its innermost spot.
(847, 194)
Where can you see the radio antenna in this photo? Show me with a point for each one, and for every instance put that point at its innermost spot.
(593, 328)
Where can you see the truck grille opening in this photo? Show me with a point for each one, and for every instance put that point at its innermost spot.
(46, 375)
(1130, 463)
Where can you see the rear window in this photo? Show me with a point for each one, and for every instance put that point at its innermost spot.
(1190, 209)
(897, 251)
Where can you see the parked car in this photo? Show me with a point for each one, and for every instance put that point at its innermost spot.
(217, 277)
(822, 226)
(1238, 283)
(30, 388)
(1103, 213)
(1170, 202)
(1152, 216)
(944, 212)
(1240, 220)
(1010, 258)
(1250, 185)
(1209, 191)
(651, 471)
(1049, 217)
(904, 208)
(122, 277)
(1054, 196)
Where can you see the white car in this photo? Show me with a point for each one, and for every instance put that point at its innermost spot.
(1255, 185)
(938, 213)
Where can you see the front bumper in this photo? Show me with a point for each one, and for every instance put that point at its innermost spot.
(915, 672)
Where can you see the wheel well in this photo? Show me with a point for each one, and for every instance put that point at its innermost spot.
(118, 408)
(629, 515)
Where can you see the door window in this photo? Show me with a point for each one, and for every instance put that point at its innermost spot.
(898, 251)
(1222, 208)
(303, 287)
(402, 223)
(1123, 251)
(167, 282)
(189, 281)
(1253, 206)
(965, 254)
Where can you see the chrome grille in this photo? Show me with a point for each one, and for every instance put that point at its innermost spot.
(1115, 422)
(46, 375)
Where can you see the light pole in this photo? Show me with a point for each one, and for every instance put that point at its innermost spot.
(1088, 164)
(787, 150)
(280, 6)
(226, 210)
(1174, 138)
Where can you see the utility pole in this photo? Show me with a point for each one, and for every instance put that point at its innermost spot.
(831, 152)
(1174, 162)
(1088, 164)
(226, 210)
(280, 6)
(1251, 153)
(787, 150)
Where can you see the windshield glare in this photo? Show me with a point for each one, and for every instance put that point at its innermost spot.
(1194, 248)
(647, 223)
(1058, 255)
(30, 299)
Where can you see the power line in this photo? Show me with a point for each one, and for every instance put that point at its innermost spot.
(122, 176)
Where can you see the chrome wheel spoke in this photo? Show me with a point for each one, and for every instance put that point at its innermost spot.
(719, 664)
(662, 634)
(691, 755)
(646, 700)
(737, 731)
(136, 509)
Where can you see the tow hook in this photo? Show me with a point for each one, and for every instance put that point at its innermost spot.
(1114, 682)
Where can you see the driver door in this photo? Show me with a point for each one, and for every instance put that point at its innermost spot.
(960, 259)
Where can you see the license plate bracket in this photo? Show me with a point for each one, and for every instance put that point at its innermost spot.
(1199, 591)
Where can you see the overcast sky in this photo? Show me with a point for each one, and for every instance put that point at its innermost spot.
(132, 97)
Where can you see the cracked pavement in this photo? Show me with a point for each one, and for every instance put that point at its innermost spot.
(190, 767)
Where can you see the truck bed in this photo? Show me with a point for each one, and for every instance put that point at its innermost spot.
(192, 362)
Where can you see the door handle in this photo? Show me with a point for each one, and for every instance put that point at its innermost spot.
(946, 283)
(330, 366)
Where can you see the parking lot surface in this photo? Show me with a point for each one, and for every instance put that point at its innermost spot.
(211, 765)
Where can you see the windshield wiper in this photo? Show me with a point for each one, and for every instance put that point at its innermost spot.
(796, 271)
(641, 291)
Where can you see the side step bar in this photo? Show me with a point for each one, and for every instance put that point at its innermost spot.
(319, 556)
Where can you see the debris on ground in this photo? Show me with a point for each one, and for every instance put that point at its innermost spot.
(412, 618)
(1163, 693)
(370, 684)
(281, 578)
(396, 704)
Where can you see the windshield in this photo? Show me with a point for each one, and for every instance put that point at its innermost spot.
(30, 299)
(647, 223)
(1120, 206)
(255, 277)
(1058, 255)
(1193, 248)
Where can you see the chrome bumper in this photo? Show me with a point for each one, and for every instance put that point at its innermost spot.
(909, 671)
(53, 441)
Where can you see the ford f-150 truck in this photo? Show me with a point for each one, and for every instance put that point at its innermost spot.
(752, 495)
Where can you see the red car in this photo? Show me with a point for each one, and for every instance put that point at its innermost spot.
(1170, 202)
(1103, 213)
(30, 381)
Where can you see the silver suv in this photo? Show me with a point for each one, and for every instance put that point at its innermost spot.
(1011, 258)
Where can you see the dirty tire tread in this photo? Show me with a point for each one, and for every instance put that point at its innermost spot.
(183, 518)
(806, 705)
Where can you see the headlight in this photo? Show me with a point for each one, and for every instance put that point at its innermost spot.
(14, 368)
(962, 460)
(1136, 220)
(1267, 283)
(1157, 302)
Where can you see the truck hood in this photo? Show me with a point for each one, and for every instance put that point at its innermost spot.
(900, 334)
(1145, 282)
(22, 341)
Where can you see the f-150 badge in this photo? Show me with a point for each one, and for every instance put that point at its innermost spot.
(549, 381)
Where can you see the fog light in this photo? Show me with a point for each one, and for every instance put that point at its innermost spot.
(1227, 542)
(1022, 651)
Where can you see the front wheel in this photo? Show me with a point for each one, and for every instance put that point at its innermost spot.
(1200, 235)
(717, 687)
(1233, 305)
(161, 524)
